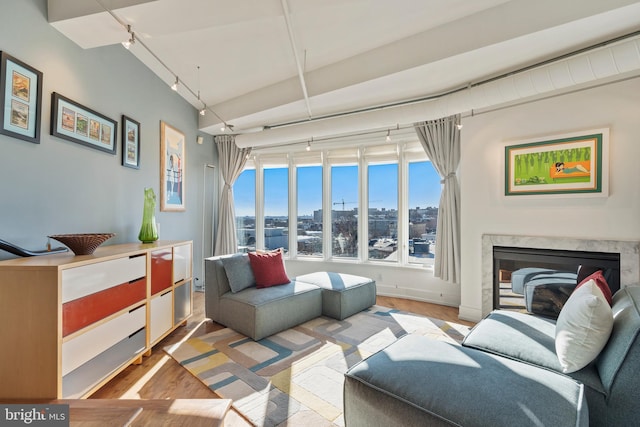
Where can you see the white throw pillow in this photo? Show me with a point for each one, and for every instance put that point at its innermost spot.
(583, 327)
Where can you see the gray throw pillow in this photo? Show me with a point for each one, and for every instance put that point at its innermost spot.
(239, 272)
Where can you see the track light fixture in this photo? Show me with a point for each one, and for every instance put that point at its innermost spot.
(388, 139)
(203, 111)
(174, 86)
(459, 126)
(131, 40)
(308, 146)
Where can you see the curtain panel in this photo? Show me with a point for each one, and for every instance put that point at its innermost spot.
(441, 141)
(232, 161)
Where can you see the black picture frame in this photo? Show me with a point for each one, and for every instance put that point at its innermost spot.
(130, 142)
(82, 125)
(21, 97)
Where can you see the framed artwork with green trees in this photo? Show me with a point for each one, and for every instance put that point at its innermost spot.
(572, 164)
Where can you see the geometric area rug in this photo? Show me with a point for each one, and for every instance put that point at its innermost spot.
(296, 377)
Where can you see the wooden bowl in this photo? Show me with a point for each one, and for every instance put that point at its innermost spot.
(82, 244)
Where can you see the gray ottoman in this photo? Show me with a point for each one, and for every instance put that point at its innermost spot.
(343, 295)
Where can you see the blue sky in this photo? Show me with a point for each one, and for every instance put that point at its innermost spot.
(424, 188)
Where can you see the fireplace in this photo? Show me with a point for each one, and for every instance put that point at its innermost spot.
(550, 276)
(627, 252)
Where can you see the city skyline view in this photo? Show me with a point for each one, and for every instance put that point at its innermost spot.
(424, 189)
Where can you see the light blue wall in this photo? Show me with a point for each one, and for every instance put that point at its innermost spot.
(62, 187)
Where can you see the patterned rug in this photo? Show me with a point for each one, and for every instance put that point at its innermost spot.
(295, 377)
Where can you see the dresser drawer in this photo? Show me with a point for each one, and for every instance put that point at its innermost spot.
(88, 279)
(84, 347)
(161, 270)
(161, 315)
(82, 312)
(181, 263)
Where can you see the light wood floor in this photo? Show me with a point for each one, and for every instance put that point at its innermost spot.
(161, 377)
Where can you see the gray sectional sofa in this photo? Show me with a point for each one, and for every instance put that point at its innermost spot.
(506, 372)
(258, 313)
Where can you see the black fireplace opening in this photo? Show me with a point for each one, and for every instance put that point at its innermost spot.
(549, 276)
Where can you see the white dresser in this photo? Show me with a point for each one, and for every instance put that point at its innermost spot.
(68, 324)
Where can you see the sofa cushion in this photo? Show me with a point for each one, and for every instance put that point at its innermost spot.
(268, 268)
(239, 272)
(455, 385)
(258, 313)
(583, 327)
(519, 336)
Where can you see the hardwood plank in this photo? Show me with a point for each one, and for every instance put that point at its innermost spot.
(449, 314)
(161, 377)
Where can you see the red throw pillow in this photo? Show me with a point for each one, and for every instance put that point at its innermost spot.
(268, 269)
(601, 283)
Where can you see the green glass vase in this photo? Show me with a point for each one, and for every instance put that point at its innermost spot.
(149, 230)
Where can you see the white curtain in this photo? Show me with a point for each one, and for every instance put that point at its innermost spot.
(232, 160)
(441, 141)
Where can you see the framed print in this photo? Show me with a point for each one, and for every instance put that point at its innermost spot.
(21, 96)
(563, 165)
(82, 125)
(130, 143)
(172, 163)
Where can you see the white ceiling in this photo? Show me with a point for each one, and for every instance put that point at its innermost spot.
(252, 61)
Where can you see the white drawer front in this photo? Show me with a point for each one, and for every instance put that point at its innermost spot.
(88, 279)
(161, 315)
(84, 347)
(181, 262)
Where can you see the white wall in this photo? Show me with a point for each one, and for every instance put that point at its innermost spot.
(485, 209)
(59, 186)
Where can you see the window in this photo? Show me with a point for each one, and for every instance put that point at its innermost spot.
(424, 198)
(397, 225)
(276, 207)
(244, 199)
(344, 212)
(383, 211)
(309, 199)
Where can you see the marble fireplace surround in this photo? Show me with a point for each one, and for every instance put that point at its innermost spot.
(629, 256)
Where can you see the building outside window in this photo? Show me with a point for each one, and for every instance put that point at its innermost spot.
(276, 212)
(423, 211)
(383, 211)
(344, 212)
(309, 201)
(244, 199)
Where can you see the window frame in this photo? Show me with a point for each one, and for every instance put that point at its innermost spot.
(402, 153)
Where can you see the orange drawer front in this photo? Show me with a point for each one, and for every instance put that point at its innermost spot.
(161, 274)
(84, 311)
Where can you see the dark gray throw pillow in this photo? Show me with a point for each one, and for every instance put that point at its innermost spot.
(239, 272)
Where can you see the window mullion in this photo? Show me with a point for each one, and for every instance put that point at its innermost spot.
(363, 207)
(293, 209)
(327, 207)
(403, 208)
(260, 241)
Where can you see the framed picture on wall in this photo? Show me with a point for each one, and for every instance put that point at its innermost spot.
(172, 163)
(82, 125)
(130, 143)
(21, 97)
(560, 166)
